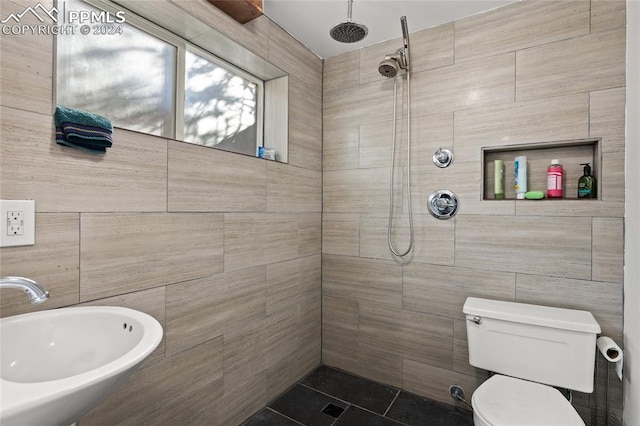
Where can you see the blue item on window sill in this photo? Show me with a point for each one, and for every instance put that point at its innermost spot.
(83, 130)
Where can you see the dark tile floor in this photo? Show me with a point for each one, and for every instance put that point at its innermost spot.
(331, 397)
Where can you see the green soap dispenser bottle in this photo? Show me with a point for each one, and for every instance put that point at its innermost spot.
(587, 186)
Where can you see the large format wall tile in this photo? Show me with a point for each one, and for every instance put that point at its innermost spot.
(53, 262)
(554, 119)
(464, 85)
(432, 48)
(244, 353)
(520, 25)
(433, 239)
(305, 103)
(291, 56)
(340, 71)
(591, 62)
(309, 234)
(353, 191)
(341, 233)
(291, 282)
(281, 337)
(410, 335)
(340, 148)
(239, 404)
(130, 176)
(288, 353)
(612, 185)
(442, 290)
(293, 189)
(127, 252)
(180, 388)
(602, 299)
(607, 119)
(363, 280)
(375, 142)
(26, 73)
(339, 331)
(305, 145)
(428, 134)
(608, 250)
(433, 382)
(608, 15)
(364, 103)
(550, 246)
(254, 239)
(207, 179)
(224, 301)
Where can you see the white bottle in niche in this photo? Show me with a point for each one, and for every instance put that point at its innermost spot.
(520, 176)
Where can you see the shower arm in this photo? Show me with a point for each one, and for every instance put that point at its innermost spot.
(349, 11)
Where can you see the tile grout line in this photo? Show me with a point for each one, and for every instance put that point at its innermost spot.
(285, 416)
(389, 407)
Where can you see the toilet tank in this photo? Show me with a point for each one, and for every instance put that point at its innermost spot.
(547, 345)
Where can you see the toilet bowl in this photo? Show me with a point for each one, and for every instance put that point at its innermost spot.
(507, 401)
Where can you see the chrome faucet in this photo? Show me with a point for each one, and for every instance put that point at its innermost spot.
(35, 293)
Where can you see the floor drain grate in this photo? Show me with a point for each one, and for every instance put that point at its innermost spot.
(333, 410)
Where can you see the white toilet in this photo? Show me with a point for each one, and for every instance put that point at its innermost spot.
(532, 348)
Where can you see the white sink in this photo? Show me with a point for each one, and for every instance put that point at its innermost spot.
(56, 365)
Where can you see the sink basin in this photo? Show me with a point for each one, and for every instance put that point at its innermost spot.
(56, 365)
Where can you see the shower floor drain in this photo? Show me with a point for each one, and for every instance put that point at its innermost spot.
(333, 410)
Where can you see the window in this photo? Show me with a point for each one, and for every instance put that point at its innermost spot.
(149, 80)
(220, 107)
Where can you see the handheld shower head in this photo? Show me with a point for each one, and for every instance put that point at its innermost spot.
(348, 32)
(388, 68)
(392, 64)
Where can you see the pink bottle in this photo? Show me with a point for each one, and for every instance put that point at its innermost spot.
(555, 176)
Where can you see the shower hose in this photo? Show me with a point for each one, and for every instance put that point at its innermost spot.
(393, 160)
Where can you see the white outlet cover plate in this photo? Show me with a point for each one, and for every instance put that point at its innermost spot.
(28, 238)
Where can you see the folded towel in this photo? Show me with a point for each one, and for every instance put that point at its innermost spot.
(83, 130)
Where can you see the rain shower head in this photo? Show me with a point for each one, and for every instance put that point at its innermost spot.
(348, 32)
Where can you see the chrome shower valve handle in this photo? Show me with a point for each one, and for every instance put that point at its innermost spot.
(443, 204)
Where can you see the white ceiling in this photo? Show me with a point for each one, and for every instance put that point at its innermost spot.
(310, 20)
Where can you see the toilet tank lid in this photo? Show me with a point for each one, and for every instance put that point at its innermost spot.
(545, 316)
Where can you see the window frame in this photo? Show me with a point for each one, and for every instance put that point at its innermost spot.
(182, 46)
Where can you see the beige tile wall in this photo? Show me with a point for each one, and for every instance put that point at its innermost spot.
(224, 250)
(532, 71)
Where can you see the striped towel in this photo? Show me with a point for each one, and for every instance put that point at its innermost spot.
(83, 130)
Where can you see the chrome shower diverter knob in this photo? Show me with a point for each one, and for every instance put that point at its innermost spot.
(443, 204)
(443, 157)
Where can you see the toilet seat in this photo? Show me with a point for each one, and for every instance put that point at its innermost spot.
(507, 401)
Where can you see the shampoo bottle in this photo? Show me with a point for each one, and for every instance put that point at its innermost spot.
(520, 178)
(587, 183)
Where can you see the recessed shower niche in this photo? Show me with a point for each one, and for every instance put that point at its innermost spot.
(571, 153)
